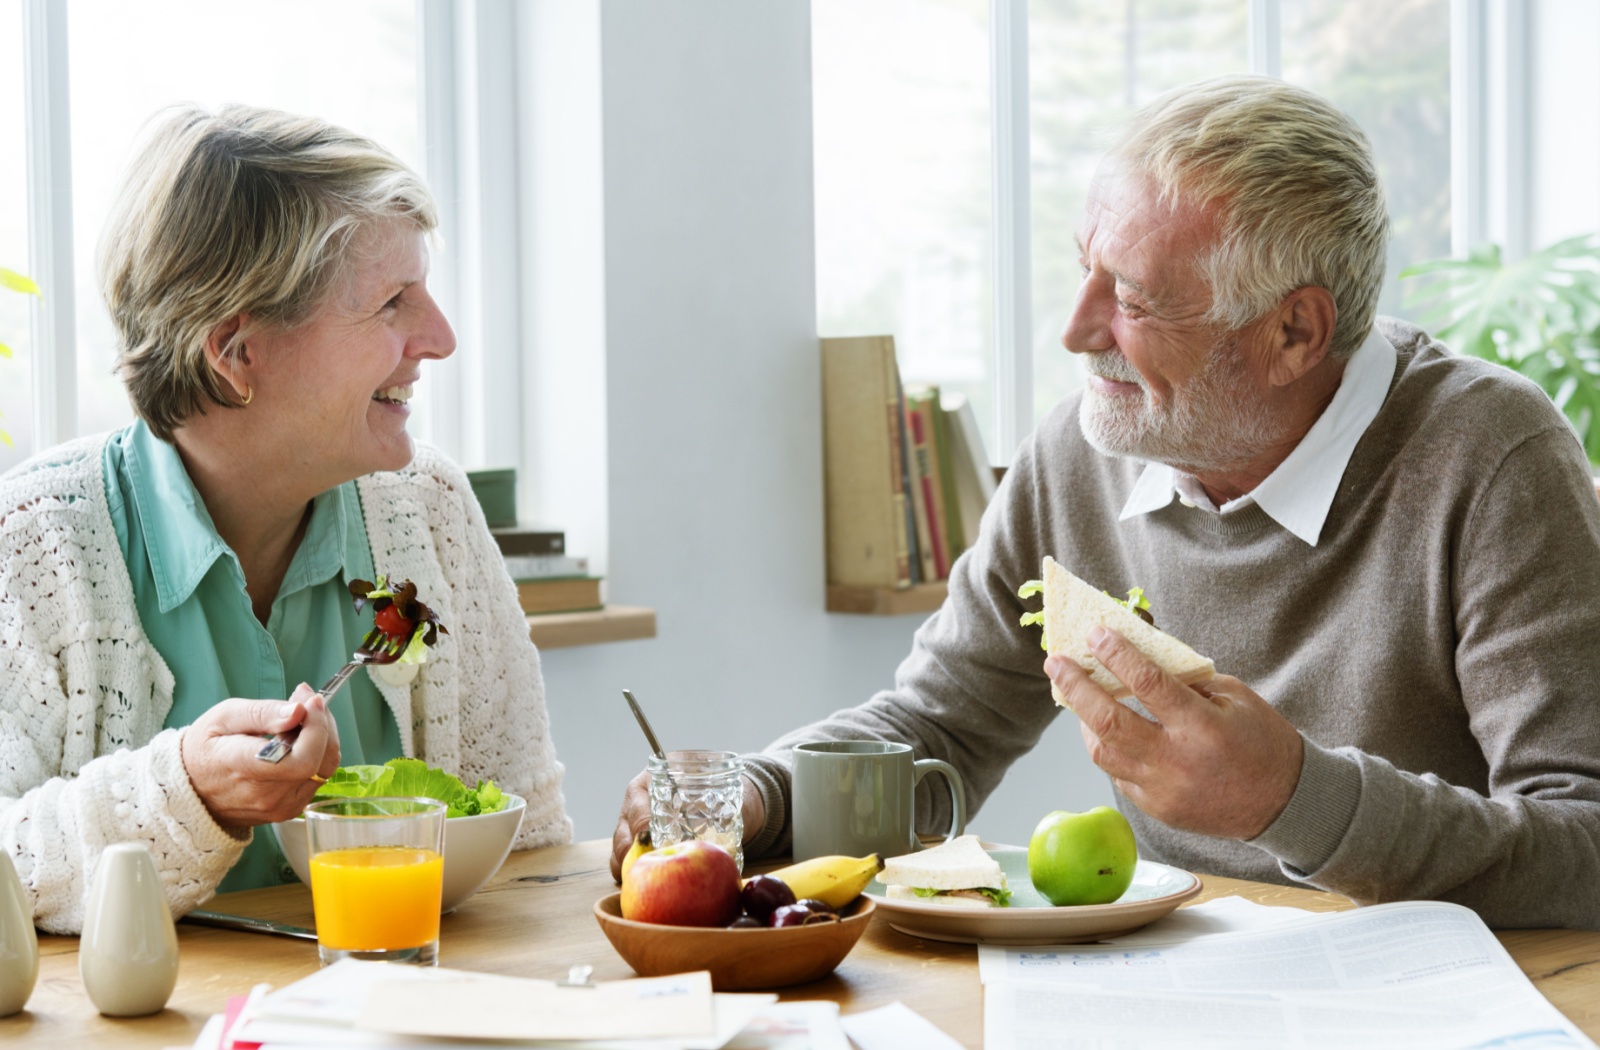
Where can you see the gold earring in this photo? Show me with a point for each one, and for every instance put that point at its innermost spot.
(249, 392)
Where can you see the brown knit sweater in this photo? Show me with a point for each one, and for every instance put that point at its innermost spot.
(1437, 649)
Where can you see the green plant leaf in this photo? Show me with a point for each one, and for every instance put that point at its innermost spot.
(1539, 316)
(18, 282)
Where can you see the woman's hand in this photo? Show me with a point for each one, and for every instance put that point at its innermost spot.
(240, 790)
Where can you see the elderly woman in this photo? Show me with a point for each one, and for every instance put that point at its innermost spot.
(165, 587)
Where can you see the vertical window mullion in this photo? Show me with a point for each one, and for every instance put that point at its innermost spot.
(1013, 264)
(1265, 26)
(55, 394)
(1469, 161)
(436, 111)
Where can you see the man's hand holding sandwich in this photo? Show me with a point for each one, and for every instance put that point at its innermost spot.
(1216, 759)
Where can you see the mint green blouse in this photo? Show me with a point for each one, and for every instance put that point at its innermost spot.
(190, 593)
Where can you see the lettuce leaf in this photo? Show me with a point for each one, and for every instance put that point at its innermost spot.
(414, 778)
(1001, 898)
(1029, 619)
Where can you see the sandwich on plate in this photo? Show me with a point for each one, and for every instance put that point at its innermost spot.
(1072, 608)
(957, 873)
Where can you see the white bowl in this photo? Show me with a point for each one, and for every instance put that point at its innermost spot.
(474, 849)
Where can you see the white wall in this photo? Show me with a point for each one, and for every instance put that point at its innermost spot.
(711, 396)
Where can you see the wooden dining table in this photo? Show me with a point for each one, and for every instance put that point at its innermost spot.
(535, 919)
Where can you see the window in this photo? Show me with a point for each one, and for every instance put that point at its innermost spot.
(905, 106)
(903, 184)
(16, 373)
(358, 69)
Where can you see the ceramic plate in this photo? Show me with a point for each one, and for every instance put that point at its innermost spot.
(1157, 889)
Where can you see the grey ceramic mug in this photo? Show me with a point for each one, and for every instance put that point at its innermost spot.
(855, 797)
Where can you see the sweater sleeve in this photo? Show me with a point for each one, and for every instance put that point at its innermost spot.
(83, 761)
(55, 827)
(971, 692)
(1526, 853)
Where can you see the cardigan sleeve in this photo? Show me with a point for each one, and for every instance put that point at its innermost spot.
(82, 764)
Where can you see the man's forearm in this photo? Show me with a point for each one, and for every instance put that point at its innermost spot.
(1515, 860)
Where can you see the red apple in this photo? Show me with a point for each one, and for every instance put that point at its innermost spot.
(689, 883)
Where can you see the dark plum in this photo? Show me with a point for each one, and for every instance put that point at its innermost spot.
(800, 915)
(816, 907)
(763, 895)
(747, 922)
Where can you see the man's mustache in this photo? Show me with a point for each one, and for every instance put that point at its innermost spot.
(1109, 364)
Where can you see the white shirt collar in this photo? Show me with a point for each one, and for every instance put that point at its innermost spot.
(1298, 493)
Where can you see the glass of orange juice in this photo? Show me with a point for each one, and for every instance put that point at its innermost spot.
(377, 869)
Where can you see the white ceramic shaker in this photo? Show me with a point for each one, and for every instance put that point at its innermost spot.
(19, 945)
(128, 954)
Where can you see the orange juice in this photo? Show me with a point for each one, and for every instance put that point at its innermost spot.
(377, 898)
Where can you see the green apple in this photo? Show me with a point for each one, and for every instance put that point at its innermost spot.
(1082, 858)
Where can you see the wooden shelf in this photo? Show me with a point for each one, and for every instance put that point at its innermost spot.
(883, 601)
(614, 623)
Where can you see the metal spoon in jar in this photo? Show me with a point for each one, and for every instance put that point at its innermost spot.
(684, 829)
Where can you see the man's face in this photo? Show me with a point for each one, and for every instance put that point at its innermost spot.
(1164, 384)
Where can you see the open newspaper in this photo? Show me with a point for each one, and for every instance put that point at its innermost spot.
(1420, 975)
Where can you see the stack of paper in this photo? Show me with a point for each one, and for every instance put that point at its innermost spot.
(373, 1005)
(1421, 974)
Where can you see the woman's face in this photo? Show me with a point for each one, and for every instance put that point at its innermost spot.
(335, 388)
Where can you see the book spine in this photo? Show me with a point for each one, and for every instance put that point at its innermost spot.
(927, 479)
(904, 576)
(543, 566)
(863, 518)
(519, 541)
(955, 536)
(916, 496)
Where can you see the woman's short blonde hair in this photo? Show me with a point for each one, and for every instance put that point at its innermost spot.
(1296, 190)
(242, 211)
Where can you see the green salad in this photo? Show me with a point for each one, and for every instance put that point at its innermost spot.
(414, 778)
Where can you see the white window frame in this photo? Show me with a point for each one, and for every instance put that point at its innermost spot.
(1491, 183)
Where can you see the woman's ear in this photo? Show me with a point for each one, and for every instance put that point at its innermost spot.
(1304, 334)
(229, 357)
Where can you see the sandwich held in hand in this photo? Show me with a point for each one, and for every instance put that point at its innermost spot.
(1072, 608)
(1082, 858)
(957, 873)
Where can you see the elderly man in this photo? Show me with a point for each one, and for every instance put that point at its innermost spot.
(1397, 548)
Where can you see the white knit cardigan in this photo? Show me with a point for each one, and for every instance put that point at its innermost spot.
(84, 761)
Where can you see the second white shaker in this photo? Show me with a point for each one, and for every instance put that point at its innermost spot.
(128, 955)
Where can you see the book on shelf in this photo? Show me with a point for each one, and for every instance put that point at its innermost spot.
(922, 404)
(900, 437)
(957, 537)
(560, 594)
(867, 541)
(535, 541)
(543, 566)
(969, 464)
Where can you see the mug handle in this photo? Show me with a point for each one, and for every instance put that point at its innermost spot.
(958, 797)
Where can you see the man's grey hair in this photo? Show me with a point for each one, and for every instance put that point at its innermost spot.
(244, 211)
(1296, 192)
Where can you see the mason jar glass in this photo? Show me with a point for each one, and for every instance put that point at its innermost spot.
(698, 795)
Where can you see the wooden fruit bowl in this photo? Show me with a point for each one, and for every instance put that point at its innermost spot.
(739, 960)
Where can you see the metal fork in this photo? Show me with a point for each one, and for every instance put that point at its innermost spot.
(376, 648)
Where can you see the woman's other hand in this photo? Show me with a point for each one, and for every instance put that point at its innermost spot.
(240, 790)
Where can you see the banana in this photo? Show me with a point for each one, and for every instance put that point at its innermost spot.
(835, 881)
(641, 846)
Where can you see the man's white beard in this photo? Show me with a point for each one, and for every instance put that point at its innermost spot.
(1211, 423)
